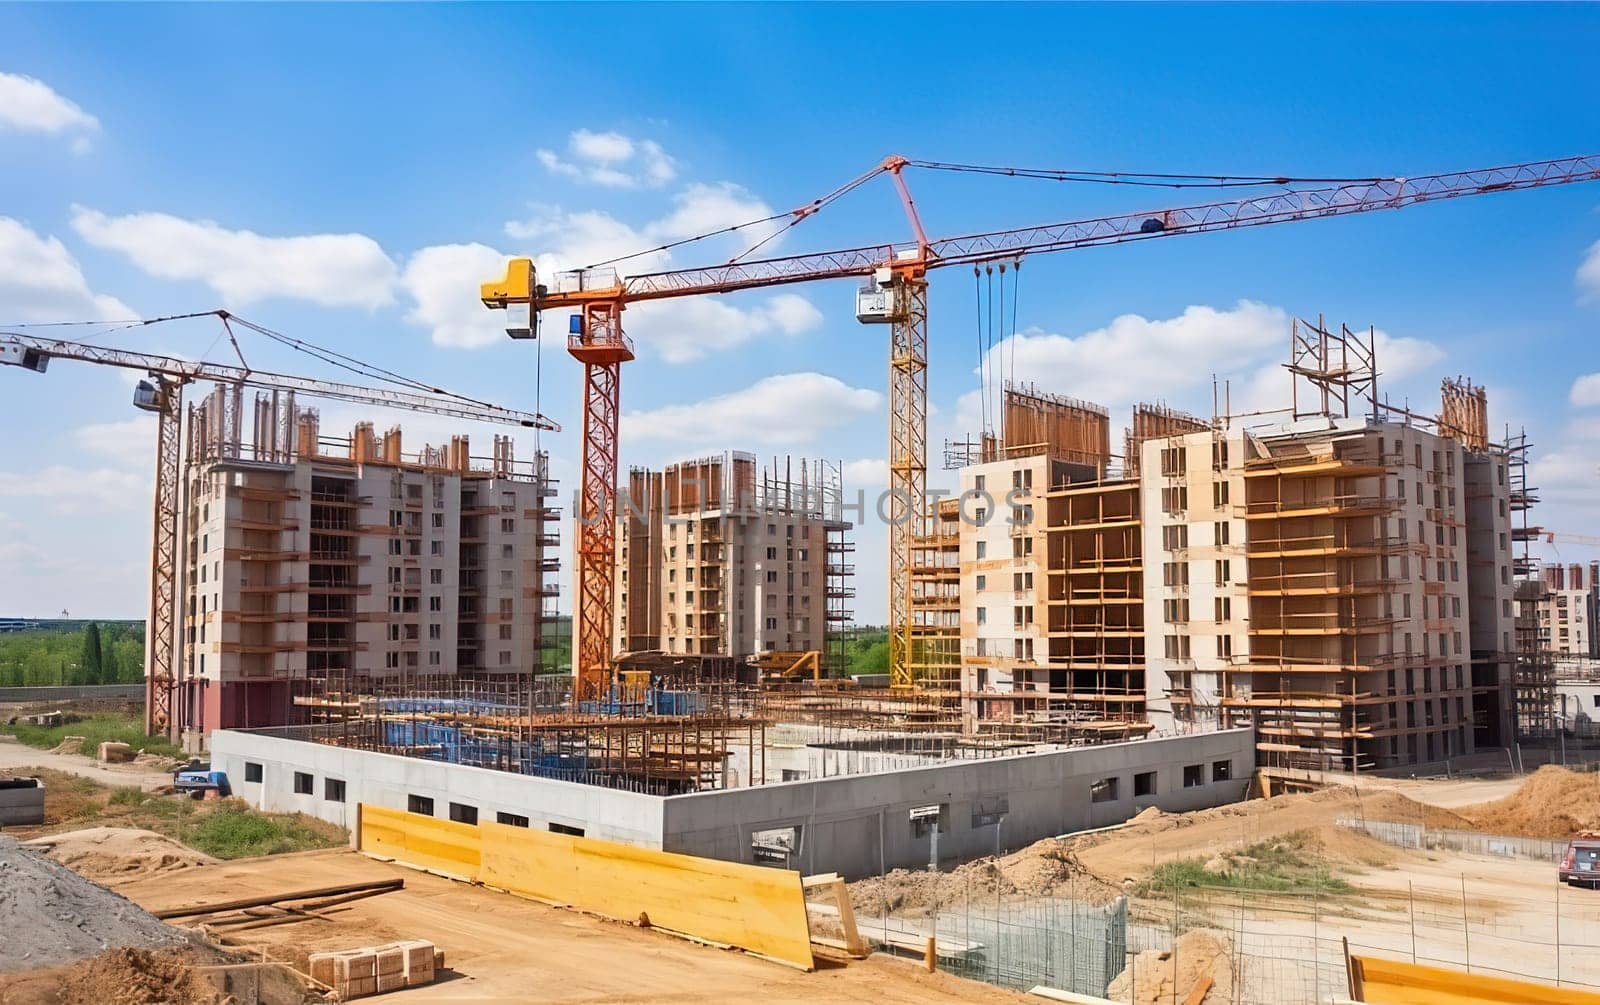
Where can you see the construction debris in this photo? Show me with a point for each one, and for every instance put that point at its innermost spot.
(51, 916)
(1197, 970)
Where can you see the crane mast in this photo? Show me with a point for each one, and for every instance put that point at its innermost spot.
(899, 269)
(165, 398)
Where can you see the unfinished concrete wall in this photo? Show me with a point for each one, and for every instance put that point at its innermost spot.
(854, 825)
(391, 780)
(860, 824)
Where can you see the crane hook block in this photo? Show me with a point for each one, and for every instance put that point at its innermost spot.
(515, 288)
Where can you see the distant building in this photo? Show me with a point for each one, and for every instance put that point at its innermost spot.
(716, 557)
(1566, 611)
(314, 563)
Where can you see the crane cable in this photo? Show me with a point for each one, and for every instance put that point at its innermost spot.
(794, 216)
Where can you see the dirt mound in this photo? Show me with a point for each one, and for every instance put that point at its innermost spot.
(136, 976)
(1552, 803)
(1045, 869)
(108, 854)
(1156, 976)
(51, 916)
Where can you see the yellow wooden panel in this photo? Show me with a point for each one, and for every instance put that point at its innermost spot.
(439, 845)
(1393, 982)
(760, 910)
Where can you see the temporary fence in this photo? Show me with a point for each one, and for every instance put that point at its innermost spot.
(1471, 842)
(1274, 947)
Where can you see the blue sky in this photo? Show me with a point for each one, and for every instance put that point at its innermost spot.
(348, 174)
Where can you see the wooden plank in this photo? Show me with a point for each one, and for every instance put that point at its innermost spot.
(1072, 998)
(442, 846)
(1392, 982)
(759, 910)
(315, 893)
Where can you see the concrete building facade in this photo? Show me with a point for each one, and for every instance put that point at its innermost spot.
(1328, 569)
(314, 561)
(716, 557)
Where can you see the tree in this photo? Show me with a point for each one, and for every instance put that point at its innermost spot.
(110, 672)
(89, 666)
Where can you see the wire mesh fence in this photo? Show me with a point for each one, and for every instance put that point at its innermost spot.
(1259, 947)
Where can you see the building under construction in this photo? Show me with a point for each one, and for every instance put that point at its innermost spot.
(717, 556)
(1340, 580)
(311, 562)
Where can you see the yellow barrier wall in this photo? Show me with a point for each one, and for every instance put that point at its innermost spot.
(757, 909)
(1392, 982)
(437, 845)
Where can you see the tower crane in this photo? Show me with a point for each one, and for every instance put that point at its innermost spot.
(896, 294)
(1561, 537)
(163, 395)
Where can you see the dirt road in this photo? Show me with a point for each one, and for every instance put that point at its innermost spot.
(14, 755)
(504, 948)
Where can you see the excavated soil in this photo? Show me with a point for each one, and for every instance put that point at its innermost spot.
(1099, 866)
(1552, 803)
(1045, 869)
(1158, 977)
(122, 976)
(108, 854)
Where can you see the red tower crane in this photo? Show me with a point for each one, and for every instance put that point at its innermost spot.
(898, 297)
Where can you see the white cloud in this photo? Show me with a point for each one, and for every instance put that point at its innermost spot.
(1588, 275)
(689, 328)
(1585, 391)
(129, 441)
(333, 270)
(40, 280)
(1404, 358)
(443, 282)
(785, 408)
(867, 474)
(81, 490)
(611, 160)
(32, 106)
(1137, 358)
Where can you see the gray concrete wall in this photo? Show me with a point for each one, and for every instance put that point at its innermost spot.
(389, 780)
(855, 825)
(859, 825)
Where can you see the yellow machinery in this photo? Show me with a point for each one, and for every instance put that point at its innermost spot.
(778, 667)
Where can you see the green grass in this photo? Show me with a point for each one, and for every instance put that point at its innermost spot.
(234, 830)
(1282, 866)
(94, 729)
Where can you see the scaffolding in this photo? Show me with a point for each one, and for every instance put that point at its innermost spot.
(1154, 422)
(1534, 672)
(935, 656)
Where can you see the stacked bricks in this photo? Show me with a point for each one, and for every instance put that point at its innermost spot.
(354, 973)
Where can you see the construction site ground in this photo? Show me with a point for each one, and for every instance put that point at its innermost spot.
(16, 757)
(504, 948)
(1505, 915)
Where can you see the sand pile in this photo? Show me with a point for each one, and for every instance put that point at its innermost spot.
(108, 854)
(68, 745)
(1552, 803)
(1044, 869)
(1158, 977)
(50, 915)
